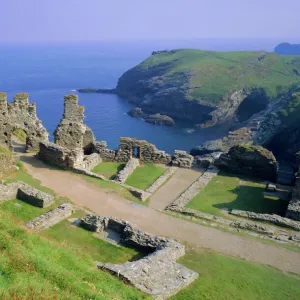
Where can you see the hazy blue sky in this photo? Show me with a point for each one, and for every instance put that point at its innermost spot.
(62, 20)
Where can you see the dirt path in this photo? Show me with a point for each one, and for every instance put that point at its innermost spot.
(86, 194)
(176, 185)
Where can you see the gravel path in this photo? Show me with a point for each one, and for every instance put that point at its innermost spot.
(90, 196)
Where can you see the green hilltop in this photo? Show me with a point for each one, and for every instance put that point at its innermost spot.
(213, 75)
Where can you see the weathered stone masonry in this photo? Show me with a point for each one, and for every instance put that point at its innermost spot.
(157, 274)
(20, 114)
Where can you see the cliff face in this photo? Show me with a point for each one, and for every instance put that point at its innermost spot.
(206, 87)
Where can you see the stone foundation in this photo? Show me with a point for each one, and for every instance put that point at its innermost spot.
(193, 189)
(25, 193)
(51, 218)
(131, 165)
(157, 274)
(273, 219)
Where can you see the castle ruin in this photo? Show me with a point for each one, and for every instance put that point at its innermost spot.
(20, 114)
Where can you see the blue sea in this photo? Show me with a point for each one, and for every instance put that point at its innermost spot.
(49, 71)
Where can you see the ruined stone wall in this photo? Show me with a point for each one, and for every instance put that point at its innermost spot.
(105, 153)
(25, 192)
(60, 156)
(131, 165)
(182, 159)
(157, 274)
(71, 132)
(145, 151)
(23, 116)
(7, 162)
(5, 123)
(91, 161)
(51, 218)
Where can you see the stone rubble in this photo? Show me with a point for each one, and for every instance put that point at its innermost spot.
(193, 189)
(51, 218)
(26, 193)
(274, 219)
(131, 165)
(157, 274)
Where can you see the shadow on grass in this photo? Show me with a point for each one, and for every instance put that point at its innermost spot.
(119, 168)
(252, 198)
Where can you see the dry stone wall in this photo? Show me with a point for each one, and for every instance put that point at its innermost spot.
(131, 165)
(51, 218)
(157, 274)
(273, 219)
(105, 153)
(91, 161)
(193, 189)
(25, 193)
(161, 180)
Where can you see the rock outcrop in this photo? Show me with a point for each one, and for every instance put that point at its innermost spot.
(20, 114)
(293, 209)
(249, 160)
(157, 274)
(155, 119)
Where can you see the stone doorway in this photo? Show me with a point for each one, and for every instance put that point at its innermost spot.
(136, 152)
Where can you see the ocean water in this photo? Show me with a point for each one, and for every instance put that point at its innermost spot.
(48, 72)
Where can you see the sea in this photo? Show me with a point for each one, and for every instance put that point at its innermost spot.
(48, 71)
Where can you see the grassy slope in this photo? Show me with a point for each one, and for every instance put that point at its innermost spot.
(226, 278)
(221, 73)
(226, 191)
(145, 175)
(109, 169)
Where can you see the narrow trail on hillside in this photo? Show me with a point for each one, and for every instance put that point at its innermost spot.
(173, 188)
(87, 195)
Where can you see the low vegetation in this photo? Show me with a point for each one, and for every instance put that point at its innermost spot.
(226, 191)
(145, 175)
(226, 278)
(109, 169)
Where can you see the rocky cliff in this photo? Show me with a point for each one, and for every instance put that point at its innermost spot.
(206, 87)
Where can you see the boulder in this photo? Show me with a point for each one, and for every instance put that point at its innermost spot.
(249, 160)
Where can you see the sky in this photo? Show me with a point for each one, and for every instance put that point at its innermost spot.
(97, 20)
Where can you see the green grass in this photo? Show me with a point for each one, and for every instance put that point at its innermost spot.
(217, 74)
(35, 267)
(20, 134)
(227, 191)
(225, 278)
(111, 187)
(84, 241)
(108, 169)
(144, 175)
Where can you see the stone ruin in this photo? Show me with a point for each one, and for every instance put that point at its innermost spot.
(20, 114)
(72, 138)
(74, 143)
(157, 274)
(25, 193)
